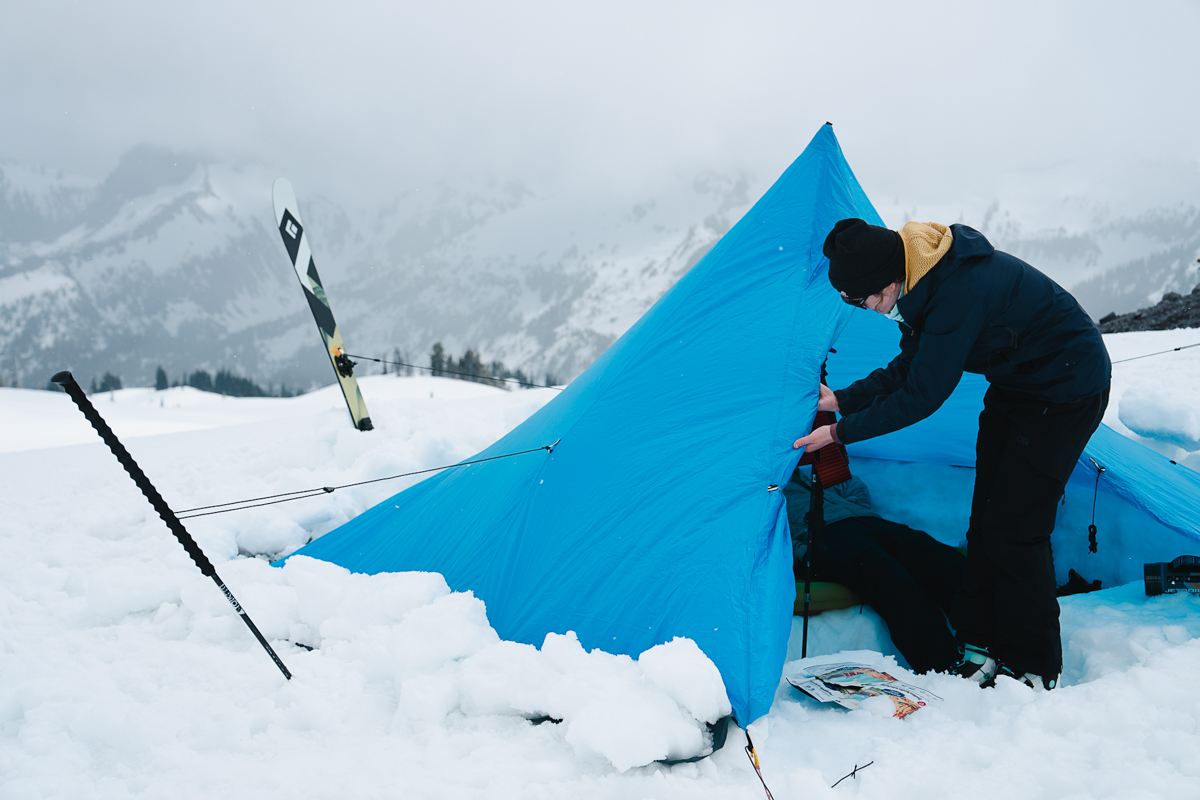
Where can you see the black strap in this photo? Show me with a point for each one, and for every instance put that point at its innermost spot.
(719, 731)
(1092, 544)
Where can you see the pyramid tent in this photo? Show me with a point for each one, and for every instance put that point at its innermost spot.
(657, 513)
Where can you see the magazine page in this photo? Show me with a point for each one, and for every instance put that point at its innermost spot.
(849, 684)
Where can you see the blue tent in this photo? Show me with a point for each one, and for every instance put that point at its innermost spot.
(657, 514)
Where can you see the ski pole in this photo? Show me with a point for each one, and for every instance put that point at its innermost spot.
(816, 523)
(67, 382)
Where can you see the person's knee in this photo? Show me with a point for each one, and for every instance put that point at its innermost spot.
(1027, 525)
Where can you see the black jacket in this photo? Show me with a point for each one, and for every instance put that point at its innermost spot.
(983, 311)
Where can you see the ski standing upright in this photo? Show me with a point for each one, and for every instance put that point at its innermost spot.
(287, 215)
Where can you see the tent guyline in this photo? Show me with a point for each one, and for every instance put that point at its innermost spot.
(752, 754)
(75, 392)
(1159, 353)
(241, 505)
(452, 372)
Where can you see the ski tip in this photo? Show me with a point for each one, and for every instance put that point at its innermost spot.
(282, 197)
(63, 378)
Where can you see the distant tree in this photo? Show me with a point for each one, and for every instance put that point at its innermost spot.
(437, 360)
(551, 379)
(471, 367)
(504, 376)
(400, 358)
(227, 383)
(109, 382)
(200, 379)
(93, 388)
(160, 380)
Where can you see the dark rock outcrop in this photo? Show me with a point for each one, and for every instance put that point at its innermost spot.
(1173, 311)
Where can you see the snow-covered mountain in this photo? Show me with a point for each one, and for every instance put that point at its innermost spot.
(162, 263)
(1110, 262)
(175, 261)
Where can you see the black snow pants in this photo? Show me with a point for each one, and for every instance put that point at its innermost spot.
(1025, 453)
(906, 575)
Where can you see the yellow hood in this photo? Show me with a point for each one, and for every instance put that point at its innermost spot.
(924, 245)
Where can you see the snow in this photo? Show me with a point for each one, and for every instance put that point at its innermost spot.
(33, 283)
(124, 672)
(1154, 399)
(1171, 420)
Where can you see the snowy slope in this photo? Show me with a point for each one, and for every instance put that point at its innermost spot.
(1153, 400)
(124, 673)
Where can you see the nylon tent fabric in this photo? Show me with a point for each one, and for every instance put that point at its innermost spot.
(654, 516)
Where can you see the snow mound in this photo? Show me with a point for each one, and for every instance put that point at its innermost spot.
(443, 658)
(1172, 418)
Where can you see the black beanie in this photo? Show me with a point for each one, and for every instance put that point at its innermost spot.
(863, 259)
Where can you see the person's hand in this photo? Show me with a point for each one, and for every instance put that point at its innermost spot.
(815, 440)
(828, 401)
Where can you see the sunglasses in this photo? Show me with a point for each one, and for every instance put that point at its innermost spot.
(857, 302)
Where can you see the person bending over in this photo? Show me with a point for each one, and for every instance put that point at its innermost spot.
(964, 306)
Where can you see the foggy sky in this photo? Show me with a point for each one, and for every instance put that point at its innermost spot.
(934, 103)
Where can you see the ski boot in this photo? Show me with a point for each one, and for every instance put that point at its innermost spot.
(1039, 683)
(975, 664)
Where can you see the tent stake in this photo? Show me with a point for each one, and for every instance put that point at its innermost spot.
(67, 382)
